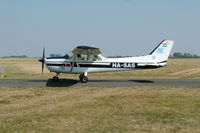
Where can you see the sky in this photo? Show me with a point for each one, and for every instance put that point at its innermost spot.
(117, 27)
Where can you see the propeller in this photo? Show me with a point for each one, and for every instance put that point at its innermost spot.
(42, 60)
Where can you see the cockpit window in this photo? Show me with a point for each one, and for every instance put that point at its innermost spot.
(68, 55)
(86, 57)
(83, 57)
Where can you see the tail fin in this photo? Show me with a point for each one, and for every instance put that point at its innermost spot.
(162, 51)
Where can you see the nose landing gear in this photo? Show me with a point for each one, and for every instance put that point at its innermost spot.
(56, 78)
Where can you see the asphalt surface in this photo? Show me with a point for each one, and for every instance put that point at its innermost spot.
(98, 82)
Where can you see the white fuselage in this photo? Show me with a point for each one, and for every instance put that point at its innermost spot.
(62, 65)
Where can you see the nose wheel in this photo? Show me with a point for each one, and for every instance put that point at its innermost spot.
(83, 78)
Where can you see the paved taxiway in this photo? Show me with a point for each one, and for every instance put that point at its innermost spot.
(98, 82)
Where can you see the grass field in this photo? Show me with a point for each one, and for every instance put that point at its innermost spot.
(101, 109)
(31, 68)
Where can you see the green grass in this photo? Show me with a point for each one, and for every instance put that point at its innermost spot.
(99, 110)
(4, 101)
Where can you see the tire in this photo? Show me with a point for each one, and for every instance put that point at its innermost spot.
(84, 79)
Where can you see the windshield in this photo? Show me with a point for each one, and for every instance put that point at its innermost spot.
(68, 55)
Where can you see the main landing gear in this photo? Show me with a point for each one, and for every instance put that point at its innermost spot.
(83, 78)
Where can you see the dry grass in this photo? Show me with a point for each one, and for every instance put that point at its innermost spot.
(177, 68)
(99, 110)
(23, 68)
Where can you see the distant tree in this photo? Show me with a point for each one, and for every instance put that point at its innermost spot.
(177, 55)
(16, 56)
(195, 56)
(184, 55)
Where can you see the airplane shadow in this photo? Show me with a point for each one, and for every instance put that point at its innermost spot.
(142, 81)
(61, 83)
(98, 82)
(124, 80)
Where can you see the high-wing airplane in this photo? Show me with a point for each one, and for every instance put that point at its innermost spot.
(86, 59)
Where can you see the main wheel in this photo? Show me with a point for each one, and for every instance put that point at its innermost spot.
(55, 78)
(84, 79)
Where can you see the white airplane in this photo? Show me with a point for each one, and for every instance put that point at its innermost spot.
(86, 59)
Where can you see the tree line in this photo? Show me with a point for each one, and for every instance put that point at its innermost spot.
(15, 56)
(184, 55)
(174, 55)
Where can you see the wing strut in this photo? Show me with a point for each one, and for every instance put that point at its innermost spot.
(72, 67)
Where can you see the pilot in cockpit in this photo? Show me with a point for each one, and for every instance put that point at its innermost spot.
(79, 57)
(95, 58)
(67, 56)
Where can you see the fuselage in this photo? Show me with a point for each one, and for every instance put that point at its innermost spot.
(63, 65)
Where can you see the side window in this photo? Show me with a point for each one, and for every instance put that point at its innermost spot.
(85, 57)
(81, 57)
(95, 58)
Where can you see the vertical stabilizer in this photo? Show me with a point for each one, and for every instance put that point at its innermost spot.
(162, 51)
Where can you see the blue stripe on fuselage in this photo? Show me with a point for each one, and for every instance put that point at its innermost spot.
(60, 57)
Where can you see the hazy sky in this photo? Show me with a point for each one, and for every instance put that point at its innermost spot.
(117, 27)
